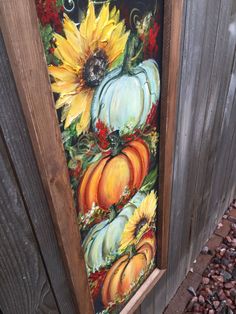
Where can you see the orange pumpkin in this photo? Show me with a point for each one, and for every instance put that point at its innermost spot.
(105, 181)
(126, 271)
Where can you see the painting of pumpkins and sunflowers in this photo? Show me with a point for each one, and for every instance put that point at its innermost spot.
(104, 64)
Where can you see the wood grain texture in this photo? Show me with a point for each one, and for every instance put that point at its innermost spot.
(204, 162)
(201, 129)
(24, 286)
(204, 73)
(24, 47)
(18, 143)
(143, 291)
(173, 11)
(211, 133)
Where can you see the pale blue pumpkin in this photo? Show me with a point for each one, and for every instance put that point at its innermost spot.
(103, 239)
(124, 100)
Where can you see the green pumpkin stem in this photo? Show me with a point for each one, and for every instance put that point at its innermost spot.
(131, 47)
(131, 251)
(113, 213)
(116, 143)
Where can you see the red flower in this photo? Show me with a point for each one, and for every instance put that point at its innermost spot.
(102, 133)
(150, 44)
(152, 116)
(49, 13)
(96, 280)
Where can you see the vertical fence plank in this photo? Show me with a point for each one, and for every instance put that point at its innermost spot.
(216, 104)
(24, 286)
(201, 129)
(17, 139)
(180, 213)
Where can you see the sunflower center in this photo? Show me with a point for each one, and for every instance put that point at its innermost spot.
(139, 226)
(95, 68)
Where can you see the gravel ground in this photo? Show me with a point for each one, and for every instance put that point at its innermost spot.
(217, 291)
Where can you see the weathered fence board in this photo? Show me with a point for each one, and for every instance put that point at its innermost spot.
(214, 116)
(25, 287)
(205, 167)
(18, 143)
(184, 156)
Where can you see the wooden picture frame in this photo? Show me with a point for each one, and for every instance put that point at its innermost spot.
(18, 22)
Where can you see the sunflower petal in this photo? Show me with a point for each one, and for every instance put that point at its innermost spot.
(102, 18)
(65, 51)
(63, 101)
(60, 73)
(117, 49)
(84, 123)
(89, 23)
(80, 103)
(62, 87)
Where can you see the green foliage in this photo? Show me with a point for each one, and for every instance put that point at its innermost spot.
(59, 3)
(149, 181)
(47, 39)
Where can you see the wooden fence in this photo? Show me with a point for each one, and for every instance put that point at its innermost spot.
(32, 275)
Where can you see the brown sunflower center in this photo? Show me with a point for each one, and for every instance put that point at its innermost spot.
(95, 68)
(139, 226)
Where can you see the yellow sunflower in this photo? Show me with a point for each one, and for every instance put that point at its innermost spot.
(139, 222)
(86, 53)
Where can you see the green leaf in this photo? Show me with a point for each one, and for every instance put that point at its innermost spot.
(150, 181)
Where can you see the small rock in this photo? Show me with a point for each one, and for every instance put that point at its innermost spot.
(222, 297)
(196, 307)
(227, 276)
(219, 225)
(216, 260)
(228, 285)
(225, 261)
(218, 278)
(201, 299)
(205, 250)
(228, 239)
(211, 312)
(216, 304)
(233, 226)
(222, 251)
(191, 303)
(233, 293)
(191, 270)
(229, 302)
(234, 273)
(233, 243)
(232, 219)
(192, 291)
(209, 291)
(205, 280)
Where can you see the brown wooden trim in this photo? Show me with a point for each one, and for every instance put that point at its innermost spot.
(173, 17)
(19, 25)
(142, 292)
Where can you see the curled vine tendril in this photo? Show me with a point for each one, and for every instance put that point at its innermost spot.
(69, 5)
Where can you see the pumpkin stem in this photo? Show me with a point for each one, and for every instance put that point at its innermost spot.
(113, 213)
(131, 250)
(131, 46)
(115, 142)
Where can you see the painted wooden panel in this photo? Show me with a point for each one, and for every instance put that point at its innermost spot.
(104, 64)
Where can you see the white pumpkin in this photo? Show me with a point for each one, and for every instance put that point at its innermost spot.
(123, 101)
(103, 239)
